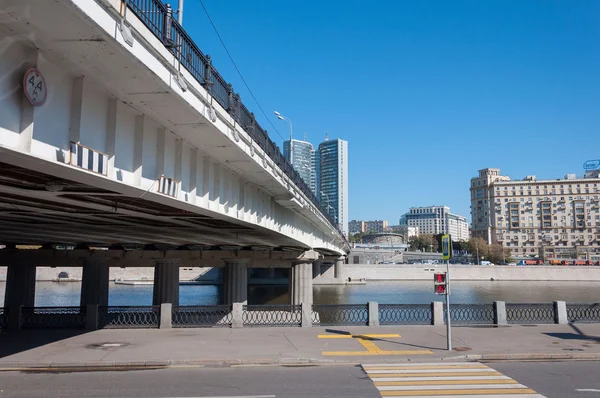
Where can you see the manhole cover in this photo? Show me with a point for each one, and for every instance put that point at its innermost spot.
(462, 348)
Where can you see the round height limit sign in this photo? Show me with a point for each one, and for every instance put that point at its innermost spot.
(34, 86)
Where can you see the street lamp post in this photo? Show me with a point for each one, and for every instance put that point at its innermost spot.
(281, 117)
(329, 206)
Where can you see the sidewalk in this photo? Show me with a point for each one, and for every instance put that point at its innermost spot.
(224, 347)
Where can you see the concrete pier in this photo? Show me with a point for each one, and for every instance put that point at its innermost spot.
(166, 282)
(94, 282)
(301, 284)
(235, 281)
(20, 285)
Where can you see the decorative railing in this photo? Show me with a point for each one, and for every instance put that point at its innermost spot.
(238, 315)
(125, 317)
(529, 313)
(158, 18)
(405, 314)
(3, 318)
(201, 316)
(271, 315)
(583, 313)
(340, 314)
(472, 313)
(53, 317)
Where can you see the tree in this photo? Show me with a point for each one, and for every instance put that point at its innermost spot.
(494, 253)
(424, 242)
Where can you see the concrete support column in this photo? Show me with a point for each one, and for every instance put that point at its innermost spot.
(235, 281)
(94, 282)
(20, 291)
(91, 317)
(166, 282)
(316, 269)
(306, 316)
(373, 313)
(237, 315)
(338, 271)
(560, 313)
(301, 284)
(500, 313)
(20, 286)
(437, 309)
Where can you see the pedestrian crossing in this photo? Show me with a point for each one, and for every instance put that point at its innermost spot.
(444, 380)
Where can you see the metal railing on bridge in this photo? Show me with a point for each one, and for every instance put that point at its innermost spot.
(158, 18)
(126, 317)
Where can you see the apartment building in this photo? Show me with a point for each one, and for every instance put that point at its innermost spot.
(437, 220)
(376, 226)
(554, 219)
(356, 227)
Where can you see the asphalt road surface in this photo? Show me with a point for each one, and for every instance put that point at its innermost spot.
(580, 379)
(267, 382)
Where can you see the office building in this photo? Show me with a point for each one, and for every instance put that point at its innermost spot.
(553, 219)
(333, 182)
(302, 156)
(437, 220)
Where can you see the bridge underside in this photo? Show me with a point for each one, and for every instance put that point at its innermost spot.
(39, 209)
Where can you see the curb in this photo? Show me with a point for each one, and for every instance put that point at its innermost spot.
(527, 357)
(154, 365)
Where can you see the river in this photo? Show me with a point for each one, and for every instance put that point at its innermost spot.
(406, 292)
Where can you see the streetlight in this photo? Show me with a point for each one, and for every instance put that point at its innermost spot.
(329, 206)
(281, 117)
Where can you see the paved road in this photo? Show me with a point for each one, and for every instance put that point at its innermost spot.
(551, 379)
(555, 379)
(296, 382)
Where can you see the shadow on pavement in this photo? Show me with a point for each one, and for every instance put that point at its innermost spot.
(578, 335)
(343, 332)
(14, 342)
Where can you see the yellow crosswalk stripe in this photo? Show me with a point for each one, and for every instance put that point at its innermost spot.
(430, 374)
(433, 393)
(444, 380)
(370, 368)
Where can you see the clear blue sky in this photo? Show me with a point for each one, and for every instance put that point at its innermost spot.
(426, 92)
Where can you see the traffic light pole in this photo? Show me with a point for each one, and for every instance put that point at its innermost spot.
(448, 329)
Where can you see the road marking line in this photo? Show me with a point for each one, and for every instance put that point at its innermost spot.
(373, 368)
(356, 353)
(443, 382)
(430, 374)
(356, 336)
(359, 353)
(587, 390)
(476, 396)
(428, 378)
(371, 365)
(456, 387)
(506, 391)
(417, 370)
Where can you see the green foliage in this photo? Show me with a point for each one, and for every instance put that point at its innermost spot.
(425, 243)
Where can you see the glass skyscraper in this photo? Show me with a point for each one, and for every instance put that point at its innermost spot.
(333, 181)
(301, 155)
(325, 171)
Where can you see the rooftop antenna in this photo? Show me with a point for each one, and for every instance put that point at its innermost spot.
(326, 136)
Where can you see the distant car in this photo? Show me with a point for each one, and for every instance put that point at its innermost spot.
(512, 263)
(63, 275)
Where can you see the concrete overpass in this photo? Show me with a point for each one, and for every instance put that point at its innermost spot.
(117, 133)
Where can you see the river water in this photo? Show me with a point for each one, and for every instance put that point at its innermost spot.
(397, 292)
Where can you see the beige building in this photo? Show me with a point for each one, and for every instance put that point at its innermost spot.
(376, 226)
(555, 219)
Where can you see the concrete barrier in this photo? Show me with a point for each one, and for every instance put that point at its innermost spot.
(391, 272)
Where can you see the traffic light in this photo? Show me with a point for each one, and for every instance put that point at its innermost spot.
(439, 283)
